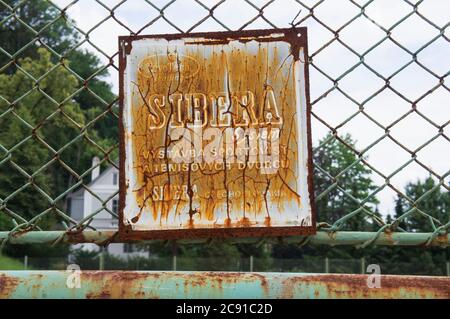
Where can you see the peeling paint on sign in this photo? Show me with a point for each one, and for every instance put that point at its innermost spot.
(215, 135)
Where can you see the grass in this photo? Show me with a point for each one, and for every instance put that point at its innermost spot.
(8, 263)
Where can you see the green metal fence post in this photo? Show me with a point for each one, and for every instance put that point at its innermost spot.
(363, 265)
(101, 259)
(174, 255)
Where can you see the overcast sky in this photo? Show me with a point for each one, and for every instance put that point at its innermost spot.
(334, 60)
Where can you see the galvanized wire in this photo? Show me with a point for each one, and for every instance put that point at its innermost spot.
(259, 11)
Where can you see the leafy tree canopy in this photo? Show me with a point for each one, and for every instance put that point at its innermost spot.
(337, 166)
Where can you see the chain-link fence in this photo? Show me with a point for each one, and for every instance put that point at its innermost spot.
(379, 95)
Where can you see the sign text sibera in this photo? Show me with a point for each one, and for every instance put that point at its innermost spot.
(215, 135)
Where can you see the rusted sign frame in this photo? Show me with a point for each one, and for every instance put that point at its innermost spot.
(297, 39)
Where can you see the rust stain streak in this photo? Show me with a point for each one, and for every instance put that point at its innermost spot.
(355, 286)
(7, 285)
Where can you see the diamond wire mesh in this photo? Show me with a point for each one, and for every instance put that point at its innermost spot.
(245, 15)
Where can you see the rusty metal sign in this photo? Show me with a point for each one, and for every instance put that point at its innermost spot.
(215, 135)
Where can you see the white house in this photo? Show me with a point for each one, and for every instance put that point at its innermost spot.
(82, 203)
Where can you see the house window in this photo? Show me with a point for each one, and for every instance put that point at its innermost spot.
(115, 178)
(115, 206)
(69, 205)
(128, 248)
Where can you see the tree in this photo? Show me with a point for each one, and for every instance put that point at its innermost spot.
(330, 160)
(16, 34)
(38, 121)
(56, 31)
(26, 203)
(427, 199)
(40, 131)
(44, 127)
(96, 93)
(44, 137)
(85, 71)
(417, 260)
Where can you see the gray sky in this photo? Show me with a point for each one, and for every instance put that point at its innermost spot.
(334, 60)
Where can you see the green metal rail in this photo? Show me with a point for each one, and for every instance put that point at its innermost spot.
(192, 285)
(361, 239)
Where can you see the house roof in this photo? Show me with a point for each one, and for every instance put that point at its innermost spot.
(81, 189)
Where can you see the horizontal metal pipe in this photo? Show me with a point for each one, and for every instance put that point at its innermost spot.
(320, 238)
(192, 285)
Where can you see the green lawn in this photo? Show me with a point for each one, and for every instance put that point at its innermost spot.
(8, 263)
